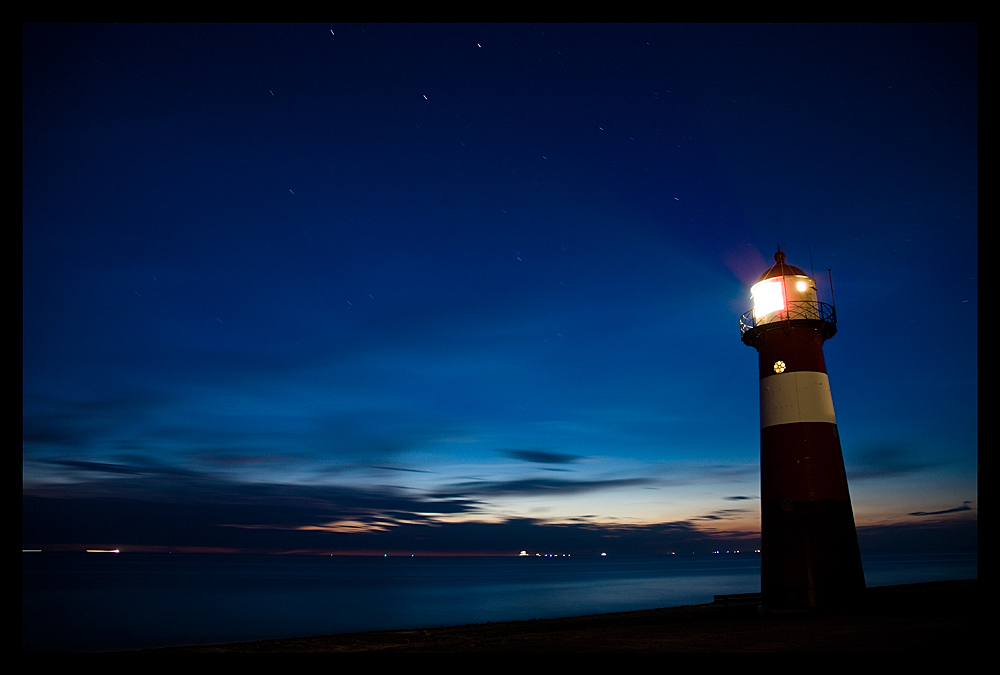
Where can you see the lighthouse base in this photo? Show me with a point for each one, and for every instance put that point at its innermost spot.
(809, 557)
(809, 545)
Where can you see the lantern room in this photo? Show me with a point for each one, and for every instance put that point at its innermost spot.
(784, 293)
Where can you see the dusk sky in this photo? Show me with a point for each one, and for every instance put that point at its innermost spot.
(476, 288)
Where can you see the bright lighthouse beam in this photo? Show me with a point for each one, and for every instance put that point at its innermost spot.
(768, 297)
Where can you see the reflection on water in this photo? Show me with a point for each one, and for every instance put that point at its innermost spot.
(75, 602)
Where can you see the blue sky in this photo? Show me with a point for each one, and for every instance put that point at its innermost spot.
(451, 288)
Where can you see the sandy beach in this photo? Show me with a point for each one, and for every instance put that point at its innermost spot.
(928, 617)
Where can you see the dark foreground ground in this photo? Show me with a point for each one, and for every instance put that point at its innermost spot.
(933, 617)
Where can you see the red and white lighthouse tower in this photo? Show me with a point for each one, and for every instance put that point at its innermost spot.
(809, 545)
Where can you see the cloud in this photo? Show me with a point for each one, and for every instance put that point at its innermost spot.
(737, 498)
(398, 468)
(137, 478)
(134, 524)
(274, 521)
(126, 469)
(536, 487)
(964, 507)
(74, 424)
(542, 456)
(243, 460)
(724, 514)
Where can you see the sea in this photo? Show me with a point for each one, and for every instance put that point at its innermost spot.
(76, 602)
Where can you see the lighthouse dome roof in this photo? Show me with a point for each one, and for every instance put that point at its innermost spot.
(781, 268)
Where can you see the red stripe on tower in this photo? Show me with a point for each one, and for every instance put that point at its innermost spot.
(809, 544)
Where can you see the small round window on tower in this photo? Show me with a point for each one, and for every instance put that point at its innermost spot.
(779, 366)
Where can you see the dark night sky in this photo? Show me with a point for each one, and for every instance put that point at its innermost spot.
(477, 287)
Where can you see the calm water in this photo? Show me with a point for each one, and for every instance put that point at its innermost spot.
(79, 602)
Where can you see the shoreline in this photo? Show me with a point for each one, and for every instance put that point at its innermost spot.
(932, 616)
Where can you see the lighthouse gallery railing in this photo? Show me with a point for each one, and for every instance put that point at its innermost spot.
(797, 309)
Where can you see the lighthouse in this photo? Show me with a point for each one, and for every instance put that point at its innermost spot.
(809, 545)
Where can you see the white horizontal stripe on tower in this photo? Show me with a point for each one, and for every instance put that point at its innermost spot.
(798, 396)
